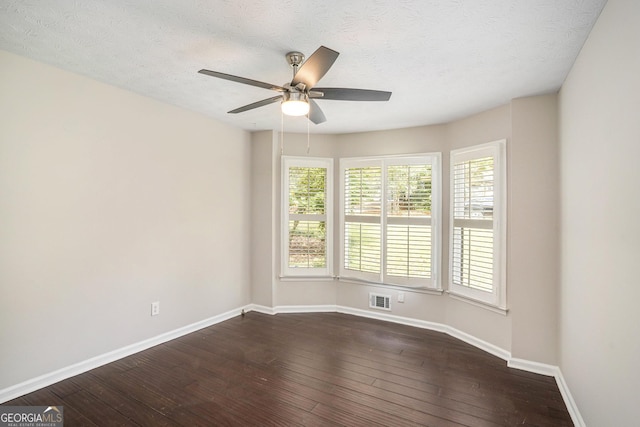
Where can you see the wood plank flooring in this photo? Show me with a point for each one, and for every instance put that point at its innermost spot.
(321, 369)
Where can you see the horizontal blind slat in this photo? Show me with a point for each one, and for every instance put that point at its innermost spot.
(473, 182)
(362, 247)
(307, 244)
(363, 191)
(408, 251)
(472, 263)
(307, 190)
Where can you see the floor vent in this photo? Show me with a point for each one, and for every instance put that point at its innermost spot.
(380, 301)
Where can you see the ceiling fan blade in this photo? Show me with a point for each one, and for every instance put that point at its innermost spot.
(314, 68)
(345, 94)
(256, 104)
(315, 113)
(238, 79)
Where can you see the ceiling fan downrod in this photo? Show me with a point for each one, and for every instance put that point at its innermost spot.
(295, 59)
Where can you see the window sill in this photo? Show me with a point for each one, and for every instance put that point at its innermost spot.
(481, 304)
(422, 290)
(307, 278)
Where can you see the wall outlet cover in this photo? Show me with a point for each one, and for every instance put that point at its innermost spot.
(155, 308)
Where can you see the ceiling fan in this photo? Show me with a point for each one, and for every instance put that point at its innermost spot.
(297, 97)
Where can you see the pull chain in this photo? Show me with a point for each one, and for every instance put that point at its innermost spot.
(308, 139)
(281, 133)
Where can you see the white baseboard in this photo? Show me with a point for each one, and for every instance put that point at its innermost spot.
(260, 309)
(95, 362)
(305, 309)
(535, 367)
(512, 362)
(478, 343)
(48, 379)
(551, 371)
(391, 318)
(433, 326)
(577, 419)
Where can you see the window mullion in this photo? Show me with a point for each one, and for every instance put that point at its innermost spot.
(307, 217)
(383, 221)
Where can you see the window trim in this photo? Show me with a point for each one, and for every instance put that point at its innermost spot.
(498, 296)
(382, 278)
(302, 272)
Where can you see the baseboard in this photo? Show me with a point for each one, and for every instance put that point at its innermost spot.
(577, 419)
(260, 309)
(535, 367)
(391, 318)
(512, 362)
(48, 379)
(424, 324)
(95, 362)
(433, 326)
(305, 309)
(551, 371)
(478, 343)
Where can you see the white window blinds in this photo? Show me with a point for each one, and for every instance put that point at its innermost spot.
(306, 222)
(388, 220)
(408, 237)
(478, 223)
(362, 218)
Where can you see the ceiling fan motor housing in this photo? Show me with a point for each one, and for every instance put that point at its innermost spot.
(295, 95)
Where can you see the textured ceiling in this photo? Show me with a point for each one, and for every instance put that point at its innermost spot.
(441, 59)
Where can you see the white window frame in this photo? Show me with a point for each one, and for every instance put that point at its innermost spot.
(310, 162)
(498, 296)
(435, 160)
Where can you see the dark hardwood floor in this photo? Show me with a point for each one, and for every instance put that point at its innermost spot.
(307, 369)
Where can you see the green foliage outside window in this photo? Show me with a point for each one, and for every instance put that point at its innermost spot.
(307, 196)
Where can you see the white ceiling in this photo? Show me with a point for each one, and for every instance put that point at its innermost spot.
(441, 59)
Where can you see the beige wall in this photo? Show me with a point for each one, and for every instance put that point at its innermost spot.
(263, 216)
(600, 228)
(528, 331)
(109, 201)
(533, 267)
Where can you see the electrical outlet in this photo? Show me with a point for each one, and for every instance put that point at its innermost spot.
(400, 296)
(155, 308)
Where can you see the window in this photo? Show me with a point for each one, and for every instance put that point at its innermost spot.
(307, 216)
(478, 223)
(389, 220)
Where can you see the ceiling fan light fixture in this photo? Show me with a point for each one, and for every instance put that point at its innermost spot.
(295, 104)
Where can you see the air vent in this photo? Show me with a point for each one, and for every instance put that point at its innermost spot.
(381, 302)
